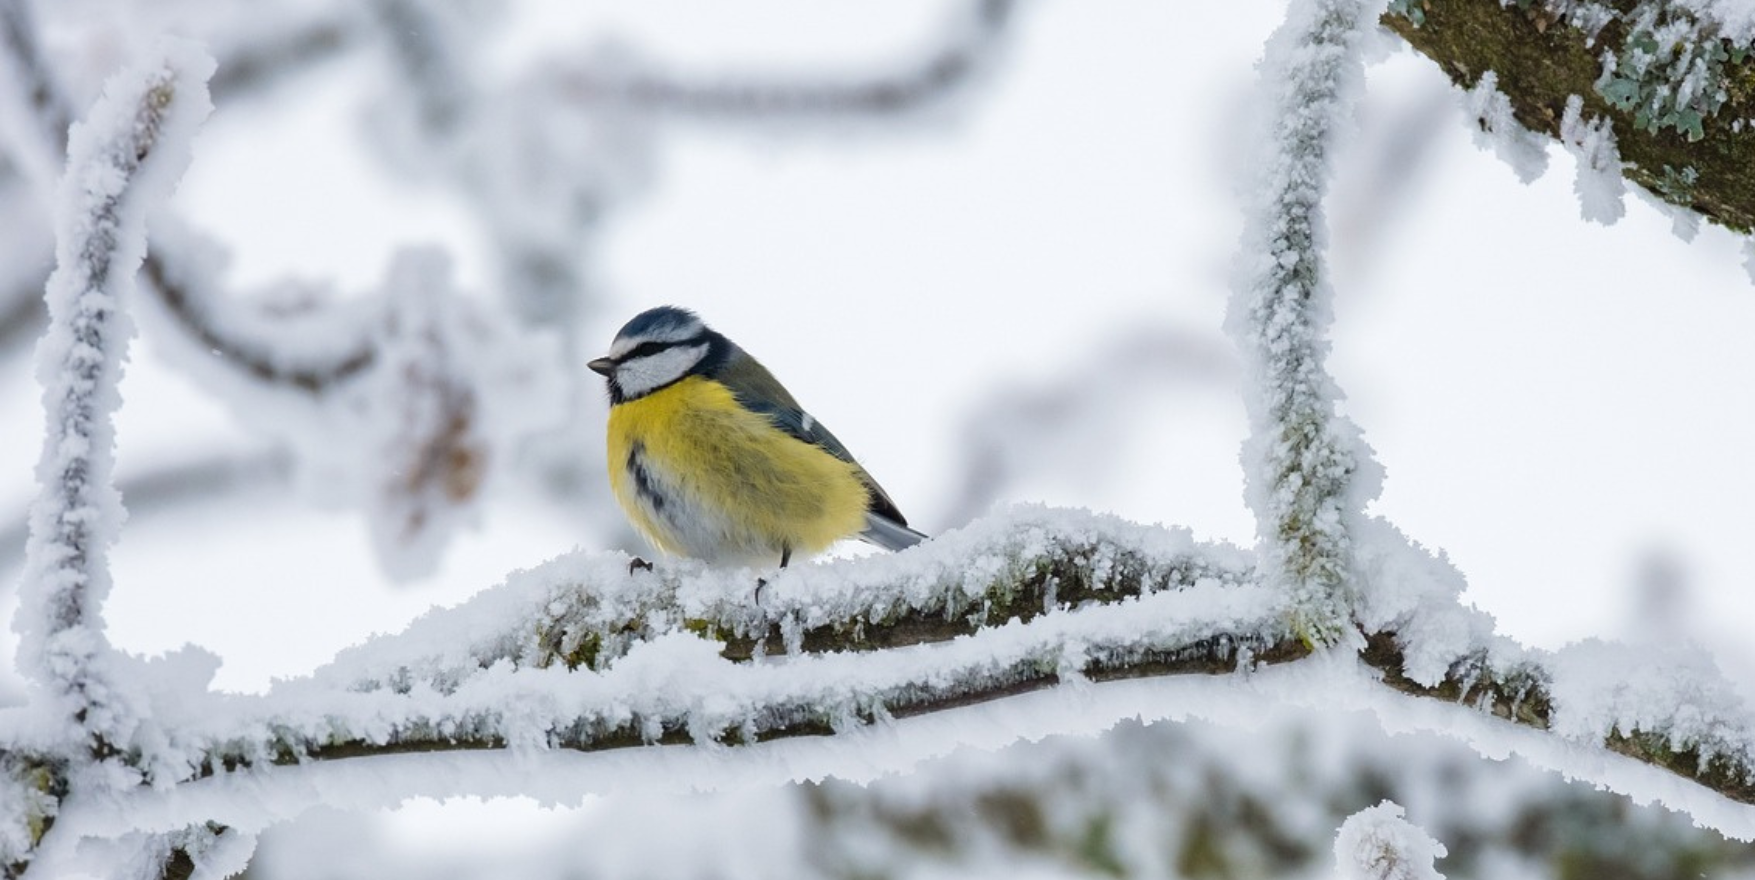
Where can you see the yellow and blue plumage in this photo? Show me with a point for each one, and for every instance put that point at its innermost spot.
(710, 457)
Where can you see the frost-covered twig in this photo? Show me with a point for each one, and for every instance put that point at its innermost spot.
(122, 162)
(1302, 459)
(178, 271)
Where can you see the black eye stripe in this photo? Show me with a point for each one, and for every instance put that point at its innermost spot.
(646, 349)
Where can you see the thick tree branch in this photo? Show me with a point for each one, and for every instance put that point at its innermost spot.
(1698, 155)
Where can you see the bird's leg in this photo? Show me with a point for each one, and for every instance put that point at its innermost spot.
(785, 557)
(639, 564)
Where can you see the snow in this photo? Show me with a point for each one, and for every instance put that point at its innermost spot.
(1592, 144)
(123, 160)
(556, 778)
(1676, 692)
(1735, 18)
(489, 668)
(1379, 843)
(1498, 129)
(1307, 470)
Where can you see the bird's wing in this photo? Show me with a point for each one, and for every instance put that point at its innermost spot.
(757, 390)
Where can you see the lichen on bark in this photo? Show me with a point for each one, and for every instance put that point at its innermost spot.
(1542, 58)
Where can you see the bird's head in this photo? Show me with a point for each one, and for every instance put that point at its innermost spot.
(658, 347)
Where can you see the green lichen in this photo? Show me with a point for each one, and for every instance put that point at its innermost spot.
(1542, 59)
(1412, 10)
(1678, 186)
(1670, 72)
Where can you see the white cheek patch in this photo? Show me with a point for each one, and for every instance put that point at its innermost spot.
(640, 375)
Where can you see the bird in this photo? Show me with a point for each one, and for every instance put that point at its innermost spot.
(711, 457)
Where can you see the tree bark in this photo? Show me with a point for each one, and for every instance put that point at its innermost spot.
(1542, 58)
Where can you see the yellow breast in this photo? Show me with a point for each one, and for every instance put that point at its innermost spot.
(701, 476)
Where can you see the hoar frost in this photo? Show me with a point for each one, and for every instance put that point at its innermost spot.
(1599, 184)
(1497, 129)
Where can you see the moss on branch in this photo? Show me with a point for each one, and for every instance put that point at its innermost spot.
(1521, 694)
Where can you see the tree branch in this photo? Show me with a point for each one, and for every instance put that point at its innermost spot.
(581, 655)
(1701, 741)
(1302, 459)
(1697, 154)
(101, 240)
(966, 51)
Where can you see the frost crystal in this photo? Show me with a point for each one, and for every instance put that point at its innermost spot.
(1599, 184)
(1498, 130)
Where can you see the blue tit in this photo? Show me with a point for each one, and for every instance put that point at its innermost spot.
(711, 458)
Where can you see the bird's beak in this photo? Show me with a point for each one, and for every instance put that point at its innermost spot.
(602, 366)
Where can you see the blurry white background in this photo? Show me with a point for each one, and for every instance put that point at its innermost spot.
(1562, 408)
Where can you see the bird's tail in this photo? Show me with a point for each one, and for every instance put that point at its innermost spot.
(889, 534)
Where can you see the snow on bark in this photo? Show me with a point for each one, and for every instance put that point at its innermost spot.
(123, 160)
(1379, 843)
(580, 654)
(1303, 461)
(1599, 183)
(1497, 129)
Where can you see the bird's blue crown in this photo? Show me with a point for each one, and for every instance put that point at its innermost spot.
(662, 322)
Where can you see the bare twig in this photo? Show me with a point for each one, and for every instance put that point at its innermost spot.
(183, 299)
(856, 97)
(35, 88)
(254, 65)
(169, 486)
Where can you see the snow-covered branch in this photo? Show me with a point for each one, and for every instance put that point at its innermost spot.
(122, 162)
(581, 654)
(1671, 709)
(1302, 459)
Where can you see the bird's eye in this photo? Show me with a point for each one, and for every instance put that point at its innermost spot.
(646, 349)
